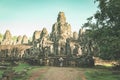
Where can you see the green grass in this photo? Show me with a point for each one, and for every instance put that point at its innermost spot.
(18, 68)
(21, 67)
(100, 74)
(1, 72)
(96, 73)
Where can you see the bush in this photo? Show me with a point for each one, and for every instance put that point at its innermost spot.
(85, 61)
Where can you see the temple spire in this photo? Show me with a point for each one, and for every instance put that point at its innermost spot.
(61, 18)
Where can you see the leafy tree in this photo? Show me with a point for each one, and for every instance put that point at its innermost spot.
(105, 32)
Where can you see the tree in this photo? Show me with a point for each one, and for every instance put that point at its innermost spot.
(105, 32)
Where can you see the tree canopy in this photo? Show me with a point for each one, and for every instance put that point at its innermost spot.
(105, 31)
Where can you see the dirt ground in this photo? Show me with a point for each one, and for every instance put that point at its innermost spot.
(58, 73)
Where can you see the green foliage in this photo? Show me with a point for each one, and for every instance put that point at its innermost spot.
(24, 66)
(21, 67)
(14, 38)
(101, 75)
(105, 31)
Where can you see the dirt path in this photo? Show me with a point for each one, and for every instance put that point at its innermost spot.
(59, 73)
(35, 75)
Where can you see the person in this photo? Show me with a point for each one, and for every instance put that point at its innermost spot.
(47, 62)
(61, 61)
(41, 61)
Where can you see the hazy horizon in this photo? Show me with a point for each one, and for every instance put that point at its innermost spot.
(25, 16)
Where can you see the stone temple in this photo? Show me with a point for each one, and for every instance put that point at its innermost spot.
(61, 42)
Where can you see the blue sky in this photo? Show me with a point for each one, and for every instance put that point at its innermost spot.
(25, 16)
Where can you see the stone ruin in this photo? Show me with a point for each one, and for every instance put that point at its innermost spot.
(19, 40)
(35, 38)
(61, 31)
(75, 35)
(7, 38)
(10, 48)
(25, 40)
(61, 42)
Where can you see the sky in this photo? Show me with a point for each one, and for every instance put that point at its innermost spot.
(23, 17)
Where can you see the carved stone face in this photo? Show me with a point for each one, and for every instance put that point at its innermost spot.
(36, 35)
(7, 35)
(75, 35)
(44, 33)
(25, 39)
(19, 39)
(61, 18)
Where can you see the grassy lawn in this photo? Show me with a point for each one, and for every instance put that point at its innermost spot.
(23, 67)
(96, 73)
(101, 74)
(29, 68)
